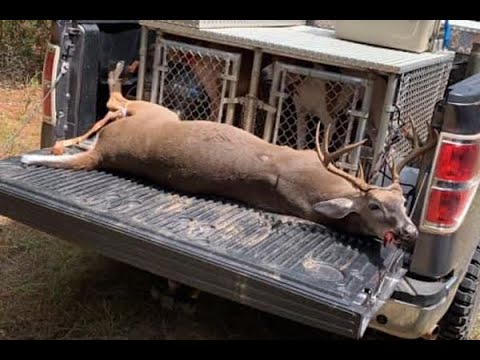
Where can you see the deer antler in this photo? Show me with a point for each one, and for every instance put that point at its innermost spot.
(328, 158)
(418, 150)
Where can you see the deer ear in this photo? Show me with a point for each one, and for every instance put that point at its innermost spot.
(334, 208)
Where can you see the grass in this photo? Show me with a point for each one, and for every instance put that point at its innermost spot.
(51, 289)
(20, 109)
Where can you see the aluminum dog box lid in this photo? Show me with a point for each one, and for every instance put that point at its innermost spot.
(466, 91)
(311, 43)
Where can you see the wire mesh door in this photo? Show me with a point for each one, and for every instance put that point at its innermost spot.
(418, 93)
(198, 83)
(308, 96)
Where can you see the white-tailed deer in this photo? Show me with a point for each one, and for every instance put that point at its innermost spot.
(204, 157)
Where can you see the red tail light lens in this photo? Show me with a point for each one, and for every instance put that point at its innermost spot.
(48, 79)
(47, 83)
(48, 65)
(446, 206)
(457, 162)
(453, 183)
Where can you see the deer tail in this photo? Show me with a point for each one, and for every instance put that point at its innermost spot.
(88, 160)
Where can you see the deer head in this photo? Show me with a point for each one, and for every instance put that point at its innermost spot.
(378, 211)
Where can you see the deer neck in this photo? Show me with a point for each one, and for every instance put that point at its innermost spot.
(329, 185)
(339, 187)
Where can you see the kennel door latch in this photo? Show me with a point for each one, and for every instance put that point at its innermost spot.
(358, 114)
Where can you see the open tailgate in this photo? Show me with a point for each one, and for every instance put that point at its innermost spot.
(282, 265)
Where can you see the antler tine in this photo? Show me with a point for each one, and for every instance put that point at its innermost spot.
(418, 150)
(394, 172)
(335, 155)
(317, 144)
(331, 157)
(361, 173)
(326, 154)
(326, 160)
(415, 137)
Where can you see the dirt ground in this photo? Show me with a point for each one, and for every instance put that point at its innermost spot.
(51, 289)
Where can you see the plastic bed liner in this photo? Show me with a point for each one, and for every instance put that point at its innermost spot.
(283, 265)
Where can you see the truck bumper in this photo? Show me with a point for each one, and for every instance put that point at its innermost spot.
(415, 309)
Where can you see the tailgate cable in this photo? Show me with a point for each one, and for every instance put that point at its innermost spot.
(11, 142)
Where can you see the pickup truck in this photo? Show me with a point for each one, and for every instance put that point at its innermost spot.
(286, 266)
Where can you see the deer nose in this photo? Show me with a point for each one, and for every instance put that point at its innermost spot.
(409, 232)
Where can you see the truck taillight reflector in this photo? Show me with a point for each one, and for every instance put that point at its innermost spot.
(453, 182)
(50, 67)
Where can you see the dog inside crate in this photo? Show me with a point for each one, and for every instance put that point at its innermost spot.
(308, 99)
(198, 78)
(184, 92)
(300, 114)
(191, 90)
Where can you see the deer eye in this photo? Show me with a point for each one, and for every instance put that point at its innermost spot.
(373, 207)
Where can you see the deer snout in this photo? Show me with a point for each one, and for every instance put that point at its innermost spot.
(409, 232)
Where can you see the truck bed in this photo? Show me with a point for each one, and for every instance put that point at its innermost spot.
(279, 264)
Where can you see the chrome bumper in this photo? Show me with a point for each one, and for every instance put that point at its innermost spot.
(411, 321)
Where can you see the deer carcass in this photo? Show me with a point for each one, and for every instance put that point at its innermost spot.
(204, 157)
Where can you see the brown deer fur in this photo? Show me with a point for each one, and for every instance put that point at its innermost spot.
(202, 157)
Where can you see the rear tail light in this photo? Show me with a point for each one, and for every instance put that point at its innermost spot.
(457, 161)
(50, 69)
(453, 183)
(446, 206)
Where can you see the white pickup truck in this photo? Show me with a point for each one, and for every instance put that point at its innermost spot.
(283, 265)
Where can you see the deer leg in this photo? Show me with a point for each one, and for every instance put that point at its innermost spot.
(59, 147)
(116, 100)
(116, 104)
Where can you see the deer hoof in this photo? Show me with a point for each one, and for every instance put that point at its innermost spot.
(58, 148)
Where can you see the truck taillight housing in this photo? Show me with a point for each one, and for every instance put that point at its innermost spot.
(49, 74)
(453, 183)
